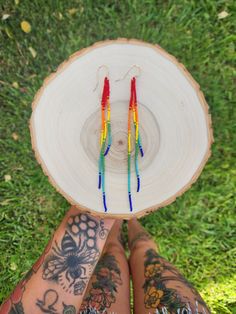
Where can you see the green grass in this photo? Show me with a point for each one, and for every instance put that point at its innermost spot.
(197, 232)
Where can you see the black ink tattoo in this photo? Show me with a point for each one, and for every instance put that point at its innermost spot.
(103, 232)
(46, 305)
(142, 235)
(17, 309)
(71, 263)
(106, 278)
(158, 272)
(121, 238)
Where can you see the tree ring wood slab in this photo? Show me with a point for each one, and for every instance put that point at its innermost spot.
(175, 128)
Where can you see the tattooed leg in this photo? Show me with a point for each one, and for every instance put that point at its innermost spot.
(158, 286)
(108, 290)
(137, 235)
(63, 270)
(13, 304)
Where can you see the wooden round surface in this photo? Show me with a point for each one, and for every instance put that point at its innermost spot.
(174, 123)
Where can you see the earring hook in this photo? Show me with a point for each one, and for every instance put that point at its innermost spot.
(134, 66)
(101, 66)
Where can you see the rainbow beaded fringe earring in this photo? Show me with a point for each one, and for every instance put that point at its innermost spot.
(133, 108)
(105, 133)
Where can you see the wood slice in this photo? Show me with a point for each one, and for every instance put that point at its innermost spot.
(174, 123)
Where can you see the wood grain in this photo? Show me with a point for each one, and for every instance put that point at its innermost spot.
(175, 128)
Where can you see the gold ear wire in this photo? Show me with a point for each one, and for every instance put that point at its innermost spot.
(134, 66)
(98, 75)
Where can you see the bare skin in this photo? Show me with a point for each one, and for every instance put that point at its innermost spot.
(57, 281)
(84, 269)
(109, 287)
(158, 285)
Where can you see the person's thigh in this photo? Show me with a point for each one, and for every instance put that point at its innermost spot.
(157, 285)
(109, 289)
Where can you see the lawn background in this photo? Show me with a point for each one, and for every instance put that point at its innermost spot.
(197, 232)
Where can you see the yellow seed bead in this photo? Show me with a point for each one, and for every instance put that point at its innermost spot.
(105, 133)
(101, 138)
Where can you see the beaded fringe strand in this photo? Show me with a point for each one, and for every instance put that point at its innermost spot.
(138, 146)
(105, 132)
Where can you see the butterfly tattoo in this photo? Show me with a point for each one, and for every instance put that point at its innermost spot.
(71, 263)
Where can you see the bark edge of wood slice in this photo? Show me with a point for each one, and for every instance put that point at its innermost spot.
(175, 128)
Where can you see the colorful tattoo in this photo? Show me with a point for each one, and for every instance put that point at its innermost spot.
(71, 263)
(158, 272)
(13, 304)
(106, 279)
(68, 309)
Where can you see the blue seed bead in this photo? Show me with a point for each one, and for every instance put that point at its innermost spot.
(130, 202)
(104, 201)
(138, 183)
(100, 179)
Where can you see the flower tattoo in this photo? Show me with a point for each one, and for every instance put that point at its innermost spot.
(103, 291)
(153, 297)
(160, 296)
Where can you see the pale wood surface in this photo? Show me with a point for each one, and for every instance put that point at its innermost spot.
(175, 128)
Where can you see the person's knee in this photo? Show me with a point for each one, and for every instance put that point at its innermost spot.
(115, 247)
(141, 246)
